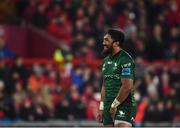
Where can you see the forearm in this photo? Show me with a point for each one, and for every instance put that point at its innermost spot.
(101, 106)
(102, 92)
(123, 92)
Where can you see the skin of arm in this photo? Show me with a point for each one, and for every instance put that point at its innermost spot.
(125, 89)
(102, 92)
(100, 113)
(123, 93)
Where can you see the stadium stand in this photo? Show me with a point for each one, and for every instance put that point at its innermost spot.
(66, 86)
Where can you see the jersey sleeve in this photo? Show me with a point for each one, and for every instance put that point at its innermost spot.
(127, 68)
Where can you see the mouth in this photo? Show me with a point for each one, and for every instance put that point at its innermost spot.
(105, 47)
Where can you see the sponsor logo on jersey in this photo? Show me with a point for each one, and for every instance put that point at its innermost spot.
(103, 67)
(115, 66)
(132, 119)
(112, 76)
(109, 62)
(126, 65)
(126, 71)
(121, 114)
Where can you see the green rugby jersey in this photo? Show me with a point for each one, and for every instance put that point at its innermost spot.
(121, 65)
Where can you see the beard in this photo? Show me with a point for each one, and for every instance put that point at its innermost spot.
(107, 50)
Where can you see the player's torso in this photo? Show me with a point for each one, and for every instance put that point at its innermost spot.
(112, 69)
(111, 72)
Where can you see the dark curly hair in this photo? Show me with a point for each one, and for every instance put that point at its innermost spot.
(117, 35)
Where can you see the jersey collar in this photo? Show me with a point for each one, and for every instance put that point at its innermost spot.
(111, 57)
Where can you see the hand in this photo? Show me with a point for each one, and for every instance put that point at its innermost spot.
(100, 116)
(113, 112)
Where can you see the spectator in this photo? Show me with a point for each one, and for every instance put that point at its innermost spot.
(141, 110)
(35, 81)
(27, 111)
(6, 104)
(4, 69)
(155, 46)
(19, 96)
(152, 28)
(90, 102)
(41, 108)
(169, 111)
(4, 51)
(62, 110)
(77, 108)
(20, 70)
(77, 79)
(39, 18)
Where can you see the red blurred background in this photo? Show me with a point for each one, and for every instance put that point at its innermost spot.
(50, 59)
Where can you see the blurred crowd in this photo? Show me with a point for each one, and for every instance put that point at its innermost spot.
(39, 92)
(156, 92)
(151, 26)
(49, 91)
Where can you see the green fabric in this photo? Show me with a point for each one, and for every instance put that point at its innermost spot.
(123, 113)
(114, 69)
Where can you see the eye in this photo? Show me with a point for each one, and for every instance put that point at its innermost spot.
(106, 39)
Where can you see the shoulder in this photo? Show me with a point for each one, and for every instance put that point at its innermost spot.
(106, 58)
(126, 58)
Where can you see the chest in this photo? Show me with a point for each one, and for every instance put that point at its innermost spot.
(111, 67)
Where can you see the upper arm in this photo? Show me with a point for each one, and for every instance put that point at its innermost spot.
(127, 83)
(127, 68)
(102, 91)
(127, 72)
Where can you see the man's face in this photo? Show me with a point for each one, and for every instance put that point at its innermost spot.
(108, 44)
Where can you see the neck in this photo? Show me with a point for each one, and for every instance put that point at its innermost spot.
(116, 50)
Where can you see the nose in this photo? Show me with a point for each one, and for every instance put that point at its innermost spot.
(103, 43)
